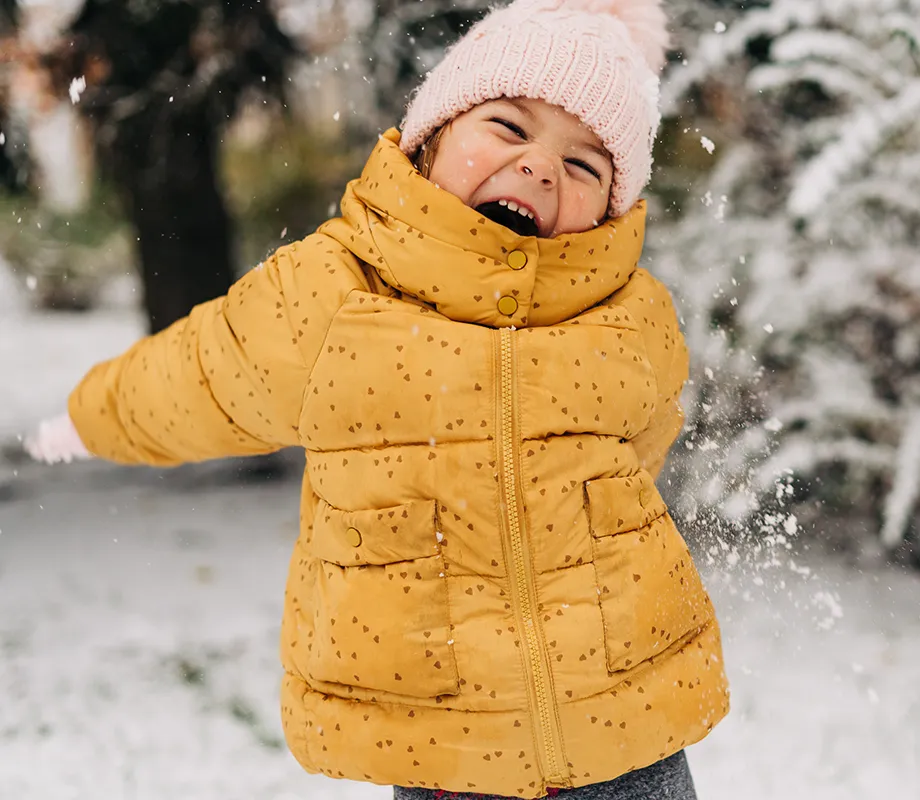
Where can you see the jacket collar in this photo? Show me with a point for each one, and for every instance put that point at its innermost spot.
(424, 242)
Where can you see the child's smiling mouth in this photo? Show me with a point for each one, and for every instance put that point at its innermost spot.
(508, 213)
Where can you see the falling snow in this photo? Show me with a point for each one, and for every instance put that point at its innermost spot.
(77, 87)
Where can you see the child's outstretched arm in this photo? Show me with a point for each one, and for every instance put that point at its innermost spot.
(650, 304)
(226, 380)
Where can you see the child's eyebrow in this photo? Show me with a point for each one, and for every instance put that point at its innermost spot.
(603, 152)
(519, 105)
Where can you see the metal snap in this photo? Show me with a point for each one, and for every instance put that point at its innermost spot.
(507, 305)
(517, 259)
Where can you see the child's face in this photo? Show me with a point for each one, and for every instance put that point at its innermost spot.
(530, 154)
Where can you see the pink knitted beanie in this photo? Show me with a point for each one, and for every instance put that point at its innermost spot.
(597, 59)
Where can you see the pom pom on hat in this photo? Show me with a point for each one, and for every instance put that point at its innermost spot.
(644, 19)
(597, 59)
(646, 22)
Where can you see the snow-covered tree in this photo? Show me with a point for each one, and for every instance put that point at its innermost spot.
(687, 19)
(797, 261)
(158, 81)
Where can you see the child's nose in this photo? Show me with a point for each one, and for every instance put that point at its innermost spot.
(537, 165)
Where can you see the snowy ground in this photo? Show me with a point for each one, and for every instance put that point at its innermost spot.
(42, 356)
(139, 614)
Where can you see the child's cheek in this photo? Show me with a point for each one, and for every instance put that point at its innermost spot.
(577, 204)
(576, 211)
(476, 167)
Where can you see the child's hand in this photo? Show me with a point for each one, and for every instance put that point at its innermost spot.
(56, 440)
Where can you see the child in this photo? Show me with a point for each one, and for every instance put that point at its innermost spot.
(488, 595)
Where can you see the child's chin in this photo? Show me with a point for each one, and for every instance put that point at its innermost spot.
(521, 225)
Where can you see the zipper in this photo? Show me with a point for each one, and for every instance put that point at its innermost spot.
(523, 591)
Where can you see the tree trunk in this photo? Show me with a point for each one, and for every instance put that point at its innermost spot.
(182, 224)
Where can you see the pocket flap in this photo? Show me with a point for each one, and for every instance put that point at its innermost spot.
(619, 505)
(376, 536)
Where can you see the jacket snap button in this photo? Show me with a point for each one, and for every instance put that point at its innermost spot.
(507, 305)
(644, 496)
(517, 259)
(353, 537)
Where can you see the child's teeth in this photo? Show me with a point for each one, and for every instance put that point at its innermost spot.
(523, 212)
(512, 206)
(503, 202)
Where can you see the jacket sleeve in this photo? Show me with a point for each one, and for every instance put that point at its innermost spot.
(229, 378)
(650, 304)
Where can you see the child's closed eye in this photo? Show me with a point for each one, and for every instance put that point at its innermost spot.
(515, 129)
(584, 165)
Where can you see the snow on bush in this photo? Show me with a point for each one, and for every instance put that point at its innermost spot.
(801, 290)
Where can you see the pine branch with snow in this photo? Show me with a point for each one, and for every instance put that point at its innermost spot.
(802, 296)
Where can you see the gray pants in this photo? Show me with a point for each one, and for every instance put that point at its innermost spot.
(668, 779)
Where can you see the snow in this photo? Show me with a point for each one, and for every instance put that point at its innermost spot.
(77, 87)
(138, 640)
(11, 298)
(906, 489)
(862, 137)
(786, 273)
(65, 345)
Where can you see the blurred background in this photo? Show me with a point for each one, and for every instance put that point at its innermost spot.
(152, 152)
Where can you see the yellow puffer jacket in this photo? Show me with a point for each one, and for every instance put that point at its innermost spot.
(488, 594)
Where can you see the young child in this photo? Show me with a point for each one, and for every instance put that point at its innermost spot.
(488, 595)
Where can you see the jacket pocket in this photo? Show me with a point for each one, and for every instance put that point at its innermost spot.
(382, 615)
(649, 590)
